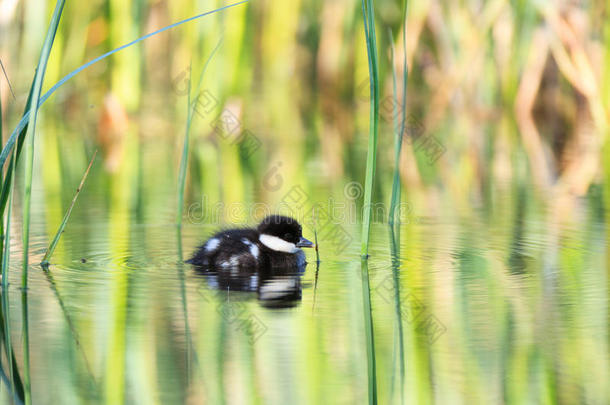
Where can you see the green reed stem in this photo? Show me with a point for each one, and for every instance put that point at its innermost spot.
(185, 153)
(369, 332)
(7, 81)
(395, 199)
(27, 389)
(315, 283)
(6, 249)
(400, 130)
(60, 230)
(1, 181)
(189, 120)
(368, 14)
(29, 157)
(8, 179)
(15, 384)
(6, 334)
(315, 238)
(29, 149)
(191, 353)
(394, 247)
(1, 115)
(6, 252)
(315, 234)
(12, 392)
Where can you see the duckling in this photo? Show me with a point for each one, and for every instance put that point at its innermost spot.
(275, 243)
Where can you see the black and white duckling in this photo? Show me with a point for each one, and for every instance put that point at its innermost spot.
(276, 242)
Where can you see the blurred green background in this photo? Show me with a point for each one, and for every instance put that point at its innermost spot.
(515, 92)
(505, 176)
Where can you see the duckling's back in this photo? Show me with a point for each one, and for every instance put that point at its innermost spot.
(230, 248)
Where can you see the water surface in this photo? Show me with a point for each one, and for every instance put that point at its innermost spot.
(478, 308)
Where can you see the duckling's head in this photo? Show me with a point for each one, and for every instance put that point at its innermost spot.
(282, 234)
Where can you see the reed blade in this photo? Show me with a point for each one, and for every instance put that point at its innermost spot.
(10, 87)
(189, 119)
(27, 389)
(191, 352)
(399, 129)
(371, 159)
(368, 15)
(29, 166)
(369, 332)
(1, 181)
(315, 284)
(29, 148)
(395, 252)
(185, 153)
(16, 384)
(1, 136)
(6, 249)
(60, 230)
(8, 179)
(13, 379)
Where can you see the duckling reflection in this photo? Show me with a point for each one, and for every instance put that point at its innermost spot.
(275, 287)
(267, 259)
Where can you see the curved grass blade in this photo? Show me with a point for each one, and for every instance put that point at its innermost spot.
(60, 230)
(24, 120)
(187, 136)
(8, 179)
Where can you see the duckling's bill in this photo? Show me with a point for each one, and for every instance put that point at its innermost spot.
(304, 243)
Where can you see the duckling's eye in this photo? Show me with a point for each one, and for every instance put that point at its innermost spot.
(288, 236)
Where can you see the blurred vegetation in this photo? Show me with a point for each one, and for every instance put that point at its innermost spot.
(511, 90)
(507, 130)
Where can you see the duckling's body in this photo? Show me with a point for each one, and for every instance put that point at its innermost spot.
(275, 243)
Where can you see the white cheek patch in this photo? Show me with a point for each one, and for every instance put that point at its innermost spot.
(277, 244)
(253, 248)
(212, 245)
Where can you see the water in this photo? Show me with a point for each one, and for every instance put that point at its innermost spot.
(491, 309)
